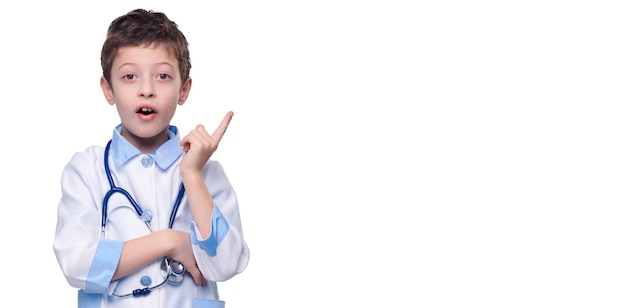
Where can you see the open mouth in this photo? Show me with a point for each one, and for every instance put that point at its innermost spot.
(145, 111)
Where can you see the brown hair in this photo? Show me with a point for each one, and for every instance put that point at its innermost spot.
(139, 28)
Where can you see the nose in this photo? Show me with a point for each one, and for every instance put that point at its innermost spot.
(146, 89)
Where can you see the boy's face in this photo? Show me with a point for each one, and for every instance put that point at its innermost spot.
(146, 88)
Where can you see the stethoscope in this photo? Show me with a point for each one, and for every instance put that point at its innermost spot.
(173, 271)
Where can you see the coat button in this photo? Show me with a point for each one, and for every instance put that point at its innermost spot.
(147, 161)
(145, 281)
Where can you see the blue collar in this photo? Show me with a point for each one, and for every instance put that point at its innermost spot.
(164, 156)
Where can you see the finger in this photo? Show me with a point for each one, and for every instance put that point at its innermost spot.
(201, 128)
(219, 132)
(202, 131)
(185, 143)
(195, 135)
(197, 276)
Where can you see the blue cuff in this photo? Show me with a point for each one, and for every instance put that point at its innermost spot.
(103, 266)
(88, 300)
(219, 229)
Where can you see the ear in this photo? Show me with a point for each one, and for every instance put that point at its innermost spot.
(184, 91)
(107, 90)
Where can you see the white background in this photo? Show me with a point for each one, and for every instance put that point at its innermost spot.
(385, 153)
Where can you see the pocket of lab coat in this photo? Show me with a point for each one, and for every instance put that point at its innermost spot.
(207, 303)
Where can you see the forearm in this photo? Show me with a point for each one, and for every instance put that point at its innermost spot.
(200, 202)
(140, 252)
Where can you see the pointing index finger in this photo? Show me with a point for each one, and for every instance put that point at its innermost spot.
(220, 130)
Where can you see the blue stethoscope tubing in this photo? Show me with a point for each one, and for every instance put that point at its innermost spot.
(145, 216)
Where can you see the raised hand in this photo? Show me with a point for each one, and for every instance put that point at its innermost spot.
(199, 145)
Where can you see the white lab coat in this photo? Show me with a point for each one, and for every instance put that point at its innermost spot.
(88, 258)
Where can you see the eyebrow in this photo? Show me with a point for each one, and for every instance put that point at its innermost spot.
(156, 64)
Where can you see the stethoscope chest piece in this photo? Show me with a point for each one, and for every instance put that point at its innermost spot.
(173, 270)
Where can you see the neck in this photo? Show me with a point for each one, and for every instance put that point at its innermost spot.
(146, 145)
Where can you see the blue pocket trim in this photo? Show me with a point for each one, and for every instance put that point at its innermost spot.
(207, 303)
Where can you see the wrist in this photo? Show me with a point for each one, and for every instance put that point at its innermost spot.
(170, 240)
(192, 178)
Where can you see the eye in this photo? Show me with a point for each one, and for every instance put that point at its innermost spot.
(163, 76)
(129, 77)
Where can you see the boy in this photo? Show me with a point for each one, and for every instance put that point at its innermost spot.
(149, 220)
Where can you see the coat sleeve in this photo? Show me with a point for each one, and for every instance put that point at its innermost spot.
(87, 262)
(224, 253)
